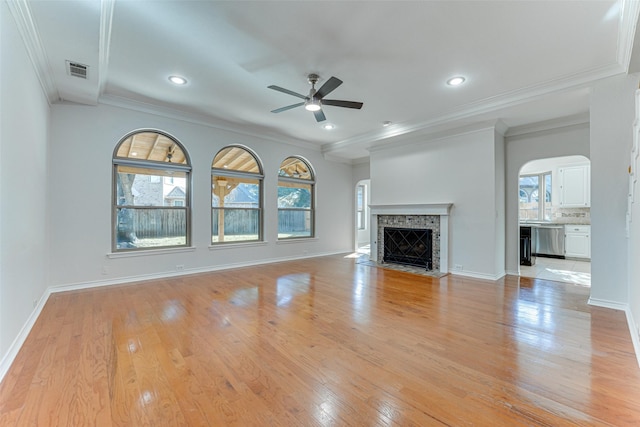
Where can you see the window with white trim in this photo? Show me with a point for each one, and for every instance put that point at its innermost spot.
(532, 205)
(296, 205)
(151, 191)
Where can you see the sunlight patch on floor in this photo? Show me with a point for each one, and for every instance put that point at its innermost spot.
(583, 279)
(560, 270)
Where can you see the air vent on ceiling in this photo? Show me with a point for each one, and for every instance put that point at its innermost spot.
(76, 69)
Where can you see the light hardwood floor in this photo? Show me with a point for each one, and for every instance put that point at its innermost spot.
(325, 341)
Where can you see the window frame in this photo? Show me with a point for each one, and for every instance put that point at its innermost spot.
(361, 202)
(144, 164)
(543, 203)
(234, 173)
(311, 182)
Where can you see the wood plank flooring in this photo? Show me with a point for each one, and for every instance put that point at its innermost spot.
(324, 341)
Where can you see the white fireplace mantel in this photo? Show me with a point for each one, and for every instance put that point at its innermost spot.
(412, 209)
(441, 209)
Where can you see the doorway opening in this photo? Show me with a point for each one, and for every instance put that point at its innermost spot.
(363, 217)
(555, 220)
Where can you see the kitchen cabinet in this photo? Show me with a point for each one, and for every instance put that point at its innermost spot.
(575, 186)
(577, 241)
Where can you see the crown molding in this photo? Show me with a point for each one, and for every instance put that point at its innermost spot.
(431, 135)
(337, 159)
(628, 22)
(198, 119)
(514, 98)
(106, 25)
(581, 119)
(360, 161)
(501, 127)
(21, 13)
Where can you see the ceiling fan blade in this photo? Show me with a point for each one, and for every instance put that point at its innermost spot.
(328, 87)
(319, 116)
(288, 107)
(287, 91)
(345, 104)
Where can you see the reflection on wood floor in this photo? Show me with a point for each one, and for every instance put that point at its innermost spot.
(324, 341)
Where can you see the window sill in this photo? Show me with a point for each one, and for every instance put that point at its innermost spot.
(227, 245)
(146, 252)
(296, 240)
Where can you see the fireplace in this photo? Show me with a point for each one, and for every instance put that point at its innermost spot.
(409, 246)
(433, 219)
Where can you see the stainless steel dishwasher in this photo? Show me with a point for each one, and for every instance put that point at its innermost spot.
(549, 240)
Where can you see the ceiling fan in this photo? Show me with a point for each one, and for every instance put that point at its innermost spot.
(315, 100)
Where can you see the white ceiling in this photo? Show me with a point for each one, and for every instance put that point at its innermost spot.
(524, 61)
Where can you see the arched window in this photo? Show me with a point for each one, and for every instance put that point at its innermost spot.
(236, 196)
(151, 193)
(524, 197)
(296, 184)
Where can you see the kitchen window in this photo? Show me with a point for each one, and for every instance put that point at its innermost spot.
(535, 197)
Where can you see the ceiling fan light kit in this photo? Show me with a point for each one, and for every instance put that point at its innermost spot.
(312, 105)
(315, 100)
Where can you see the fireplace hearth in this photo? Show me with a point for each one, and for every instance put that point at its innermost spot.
(408, 246)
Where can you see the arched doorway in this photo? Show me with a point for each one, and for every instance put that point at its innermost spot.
(554, 219)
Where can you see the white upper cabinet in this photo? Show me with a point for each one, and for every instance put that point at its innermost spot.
(575, 183)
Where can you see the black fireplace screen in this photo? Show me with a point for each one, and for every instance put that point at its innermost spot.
(408, 246)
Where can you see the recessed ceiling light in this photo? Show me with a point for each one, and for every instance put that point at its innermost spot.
(455, 81)
(386, 123)
(328, 126)
(178, 80)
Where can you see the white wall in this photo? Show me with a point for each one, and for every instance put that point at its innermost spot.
(634, 242)
(612, 116)
(521, 149)
(82, 144)
(24, 122)
(499, 194)
(459, 169)
(361, 171)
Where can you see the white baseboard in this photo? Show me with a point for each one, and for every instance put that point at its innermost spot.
(635, 333)
(608, 304)
(16, 345)
(14, 348)
(475, 275)
(631, 322)
(186, 271)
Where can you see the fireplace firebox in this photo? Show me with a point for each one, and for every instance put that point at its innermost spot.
(408, 246)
